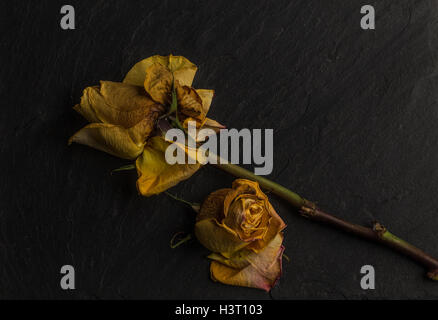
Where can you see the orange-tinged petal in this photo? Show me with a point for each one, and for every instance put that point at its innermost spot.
(229, 199)
(238, 215)
(109, 138)
(190, 103)
(263, 269)
(244, 186)
(117, 103)
(183, 70)
(155, 174)
(251, 189)
(266, 258)
(275, 226)
(158, 83)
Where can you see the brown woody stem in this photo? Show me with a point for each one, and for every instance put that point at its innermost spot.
(308, 209)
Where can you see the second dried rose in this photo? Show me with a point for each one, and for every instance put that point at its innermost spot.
(242, 229)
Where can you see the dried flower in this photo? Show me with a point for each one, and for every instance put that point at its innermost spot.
(244, 232)
(124, 116)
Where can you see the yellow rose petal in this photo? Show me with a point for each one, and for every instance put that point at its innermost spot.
(190, 103)
(109, 138)
(263, 269)
(212, 124)
(218, 237)
(183, 70)
(158, 83)
(137, 74)
(248, 226)
(85, 107)
(275, 225)
(237, 260)
(213, 205)
(209, 230)
(206, 97)
(117, 103)
(155, 174)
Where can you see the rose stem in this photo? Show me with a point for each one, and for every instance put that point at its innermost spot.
(377, 233)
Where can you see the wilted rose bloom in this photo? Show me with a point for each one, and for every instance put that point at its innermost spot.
(244, 232)
(122, 118)
(124, 115)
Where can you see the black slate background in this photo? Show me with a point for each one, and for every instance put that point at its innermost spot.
(354, 114)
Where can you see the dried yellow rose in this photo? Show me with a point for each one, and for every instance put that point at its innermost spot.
(123, 118)
(244, 232)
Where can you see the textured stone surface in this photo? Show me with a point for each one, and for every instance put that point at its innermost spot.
(354, 114)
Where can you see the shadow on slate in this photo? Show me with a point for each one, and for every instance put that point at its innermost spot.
(354, 114)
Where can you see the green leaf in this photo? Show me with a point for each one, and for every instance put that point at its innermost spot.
(174, 245)
(124, 168)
